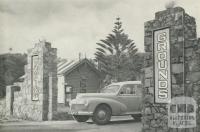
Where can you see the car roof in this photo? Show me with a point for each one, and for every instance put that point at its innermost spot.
(126, 82)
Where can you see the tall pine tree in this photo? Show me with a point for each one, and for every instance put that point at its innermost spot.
(114, 53)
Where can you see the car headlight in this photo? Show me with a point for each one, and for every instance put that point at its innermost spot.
(79, 101)
(82, 101)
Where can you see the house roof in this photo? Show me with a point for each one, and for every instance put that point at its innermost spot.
(67, 66)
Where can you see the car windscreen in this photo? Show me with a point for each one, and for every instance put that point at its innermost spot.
(110, 89)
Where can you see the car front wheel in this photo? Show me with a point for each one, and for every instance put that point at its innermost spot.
(102, 115)
(81, 118)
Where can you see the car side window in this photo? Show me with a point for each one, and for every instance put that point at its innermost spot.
(128, 89)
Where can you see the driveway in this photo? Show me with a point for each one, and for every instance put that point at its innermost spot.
(117, 124)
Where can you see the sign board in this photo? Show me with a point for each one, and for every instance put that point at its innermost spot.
(34, 77)
(182, 112)
(162, 73)
(68, 89)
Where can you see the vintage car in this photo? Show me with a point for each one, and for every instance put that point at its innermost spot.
(116, 99)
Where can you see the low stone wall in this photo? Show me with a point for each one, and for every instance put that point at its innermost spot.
(27, 112)
(24, 109)
(2, 108)
(155, 116)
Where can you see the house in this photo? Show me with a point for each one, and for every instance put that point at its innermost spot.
(77, 76)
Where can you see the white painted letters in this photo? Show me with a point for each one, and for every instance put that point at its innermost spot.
(162, 66)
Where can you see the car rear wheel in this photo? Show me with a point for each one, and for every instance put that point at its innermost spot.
(102, 115)
(137, 117)
(81, 118)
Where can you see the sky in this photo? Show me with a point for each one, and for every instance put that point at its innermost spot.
(75, 26)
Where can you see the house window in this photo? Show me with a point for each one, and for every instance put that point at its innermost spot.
(83, 91)
(129, 89)
(83, 84)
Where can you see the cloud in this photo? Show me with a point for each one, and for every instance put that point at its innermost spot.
(30, 12)
(4, 8)
(37, 11)
(75, 26)
(95, 4)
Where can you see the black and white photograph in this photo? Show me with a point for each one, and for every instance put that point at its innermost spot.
(99, 66)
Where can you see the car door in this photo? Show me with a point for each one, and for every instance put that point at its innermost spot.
(130, 95)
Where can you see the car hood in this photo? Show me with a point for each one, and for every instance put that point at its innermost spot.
(88, 95)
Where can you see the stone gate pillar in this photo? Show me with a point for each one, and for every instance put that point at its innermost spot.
(52, 96)
(180, 29)
(35, 100)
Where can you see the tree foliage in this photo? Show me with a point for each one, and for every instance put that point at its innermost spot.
(115, 53)
(11, 68)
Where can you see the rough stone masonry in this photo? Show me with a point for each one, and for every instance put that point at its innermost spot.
(36, 97)
(185, 66)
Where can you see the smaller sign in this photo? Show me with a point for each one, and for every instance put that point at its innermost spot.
(182, 113)
(68, 89)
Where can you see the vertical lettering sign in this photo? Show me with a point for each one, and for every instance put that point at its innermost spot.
(162, 66)
(34, 77)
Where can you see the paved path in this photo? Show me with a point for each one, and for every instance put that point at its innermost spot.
(117, 124)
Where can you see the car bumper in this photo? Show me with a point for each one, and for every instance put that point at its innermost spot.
(79, 109)
(81, 113)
